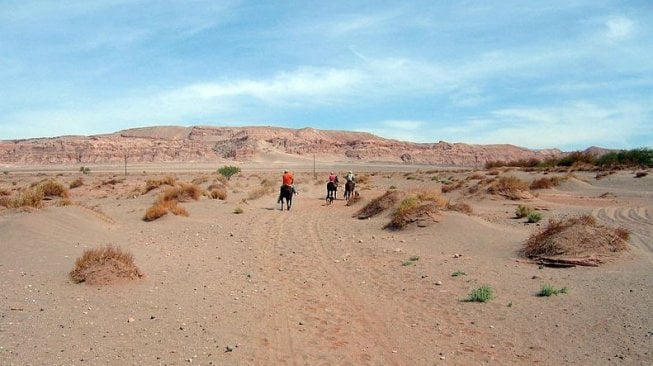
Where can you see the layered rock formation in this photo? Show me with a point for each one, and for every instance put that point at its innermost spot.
(224, 144)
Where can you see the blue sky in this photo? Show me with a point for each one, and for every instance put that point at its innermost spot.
(538, 74)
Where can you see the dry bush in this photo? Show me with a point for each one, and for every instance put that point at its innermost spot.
(510, 187)
(546, 182)
(640, 174)
(158, 209)
(260, 192)
(218, 193)
(76, 183)
(222, 179)
(576, 237)
(178, 210)
(182, 192)
(450, 188)
(380, 204)
(65, 202)
(30, 197)
(110, 182)
(268, 183)
(415, 207)
(104, 265)
(4, 192)
(476, 176)
(52, 187)
(5, 201)
(151, 184)
(200, 180)
(460, 207)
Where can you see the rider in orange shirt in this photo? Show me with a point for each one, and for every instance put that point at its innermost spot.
(287, 180)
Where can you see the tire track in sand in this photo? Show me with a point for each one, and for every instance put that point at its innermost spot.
(313, 314)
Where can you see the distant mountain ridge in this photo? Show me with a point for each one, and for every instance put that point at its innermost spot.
(251, 144)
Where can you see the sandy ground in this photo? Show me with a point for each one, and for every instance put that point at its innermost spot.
(314, 286)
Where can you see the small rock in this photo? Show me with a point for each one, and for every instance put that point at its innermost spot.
(438, 283)
(360, 240)
(229, 349)
(131, 320)
(442, 357)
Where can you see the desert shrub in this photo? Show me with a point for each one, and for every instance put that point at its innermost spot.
(52, 187)
(379, 204)
(228, 171)
(85, 170)
(510, 187)
(65, 202)
(576, 236)
(534, 217)
(545, 183)
(111, 182)
(4, 192)
(642, 157)
(151, 184)
(622, 233)
(523, 211)
(481, 294)
(158, 209)
(238, 210)
(362, 179)
(458, 274)
(548, 290)
(30, 197)
(76, 183)
(218, 193)
(460, 207)
(178, 210)
(104, 266)
(5, 201)
(450, 188)
(200, 180)
(182, 192)
(415, 207)
(640, 174)
(410, 261)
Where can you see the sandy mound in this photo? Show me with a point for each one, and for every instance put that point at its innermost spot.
(578, 240)
(105, 266)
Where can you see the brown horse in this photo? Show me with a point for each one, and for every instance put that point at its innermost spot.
(349, 189)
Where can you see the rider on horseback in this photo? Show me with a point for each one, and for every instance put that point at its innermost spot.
(349, 177)
(287, 180)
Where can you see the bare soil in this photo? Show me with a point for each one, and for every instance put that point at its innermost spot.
(314, 285)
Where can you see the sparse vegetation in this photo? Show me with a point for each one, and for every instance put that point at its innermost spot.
(533, 217)
(523, 211)
(410, 261)
(217, 192)
(415, 207)
(151, 184)
(548, 290)
(76, 183)
(182, 192)
(228, 171)
(579, 237)
(481, 294)
(53, 188)
(458, 274)
(380, 204)
(460, 207)
(510, 187)
(85, 170)
(104, 266)
(259, 192)
(545, 183)
(238, 210)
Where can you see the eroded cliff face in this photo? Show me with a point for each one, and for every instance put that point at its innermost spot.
(219, 144)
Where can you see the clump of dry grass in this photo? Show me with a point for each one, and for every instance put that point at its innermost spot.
(416, 207)
(546, 182)
(510, 187)
(380, 204)
(169, 199)
(217, 192)
(4, 192)
(76, 183)
(641, 174)
(151, 184)
(104, 265)
(576, 237)
(182, 192)
(199, 180)
(452, 187)
(53, 188)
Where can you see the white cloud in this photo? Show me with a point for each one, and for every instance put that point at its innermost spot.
(619, 28)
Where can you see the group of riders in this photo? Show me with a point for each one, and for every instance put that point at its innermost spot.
(288, 181)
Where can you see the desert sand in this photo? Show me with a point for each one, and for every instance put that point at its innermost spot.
(313, 285)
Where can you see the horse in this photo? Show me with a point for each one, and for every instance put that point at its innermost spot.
(349, 189)
(332, 188)
(286, 193)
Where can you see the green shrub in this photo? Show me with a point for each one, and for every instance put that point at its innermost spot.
(548, 290)
(481, 294)
(458, 273)
(228, 170)
(523, 211)
(534, 217)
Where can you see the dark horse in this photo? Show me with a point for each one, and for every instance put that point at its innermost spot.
(332, 189)
(285, 194)
(349, 189)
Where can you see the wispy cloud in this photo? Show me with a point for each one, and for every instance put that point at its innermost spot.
(619, 28)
